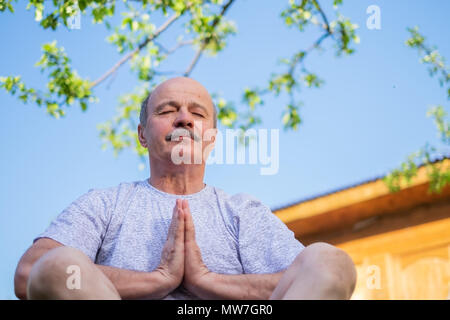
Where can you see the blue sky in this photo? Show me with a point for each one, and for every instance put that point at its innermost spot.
(368, 116)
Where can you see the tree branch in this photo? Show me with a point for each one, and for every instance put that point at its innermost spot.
(176, 47)
(137, 50)
(194, 61)
(324, 17)
(206, 40)
(316, 44)
(328, 32)
(428, 52)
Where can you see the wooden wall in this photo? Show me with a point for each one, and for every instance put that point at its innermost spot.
(407, 263)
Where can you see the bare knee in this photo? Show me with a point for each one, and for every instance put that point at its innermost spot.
(332, 268)
(48, 276)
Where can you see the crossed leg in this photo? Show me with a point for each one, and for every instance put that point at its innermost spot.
(320, 271)
(48, 277)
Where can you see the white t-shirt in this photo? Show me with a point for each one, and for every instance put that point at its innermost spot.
(126, 227)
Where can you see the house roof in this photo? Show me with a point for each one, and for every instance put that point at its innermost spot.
(352, 204)
(354, 185)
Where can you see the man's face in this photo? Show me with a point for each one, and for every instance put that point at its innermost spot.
(180, 111)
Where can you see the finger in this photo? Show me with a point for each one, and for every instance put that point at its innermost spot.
(173, 222)
(176, 228)
(189, 223)
(193, 257)
(179, 232)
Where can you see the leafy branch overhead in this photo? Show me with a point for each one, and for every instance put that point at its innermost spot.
(205, 29)
(439, 175)
(64, 87)
(201, 25)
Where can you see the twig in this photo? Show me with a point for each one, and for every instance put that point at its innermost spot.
(312, 47)
(136, 51)
(328, 32)
(324, 17)
(206, 40)
(176, 47)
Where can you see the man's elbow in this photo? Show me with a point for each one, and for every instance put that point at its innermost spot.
(20, 281)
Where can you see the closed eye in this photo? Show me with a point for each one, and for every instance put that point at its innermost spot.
(199, 114)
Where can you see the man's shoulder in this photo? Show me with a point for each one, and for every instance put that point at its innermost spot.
(108, 198)
(241, 200)
(112, 192)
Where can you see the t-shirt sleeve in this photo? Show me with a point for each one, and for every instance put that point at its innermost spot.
(266, 245)
(82, 224)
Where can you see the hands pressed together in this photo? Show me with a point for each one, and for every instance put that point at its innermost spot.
(181, 260)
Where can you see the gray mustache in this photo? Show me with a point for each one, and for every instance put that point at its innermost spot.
(182, 132)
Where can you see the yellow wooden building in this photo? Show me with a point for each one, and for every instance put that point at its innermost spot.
(399, 242)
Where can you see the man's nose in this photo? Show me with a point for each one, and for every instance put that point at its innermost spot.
(184, 119)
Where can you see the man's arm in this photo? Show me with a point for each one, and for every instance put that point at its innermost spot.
(27, 261)
(209, 285)
(236, 287)
(130, 284)
(137, 284)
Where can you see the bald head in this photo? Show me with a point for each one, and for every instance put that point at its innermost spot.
(172, 88)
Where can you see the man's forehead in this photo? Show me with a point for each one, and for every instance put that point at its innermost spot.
(164, 93)
(184, 90)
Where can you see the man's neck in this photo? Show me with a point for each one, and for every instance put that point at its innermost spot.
(187, 179)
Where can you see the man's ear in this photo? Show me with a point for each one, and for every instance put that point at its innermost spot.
(141, 136)
(209, 135)
(213, 138)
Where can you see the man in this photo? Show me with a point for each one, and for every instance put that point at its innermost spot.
(172, 236)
